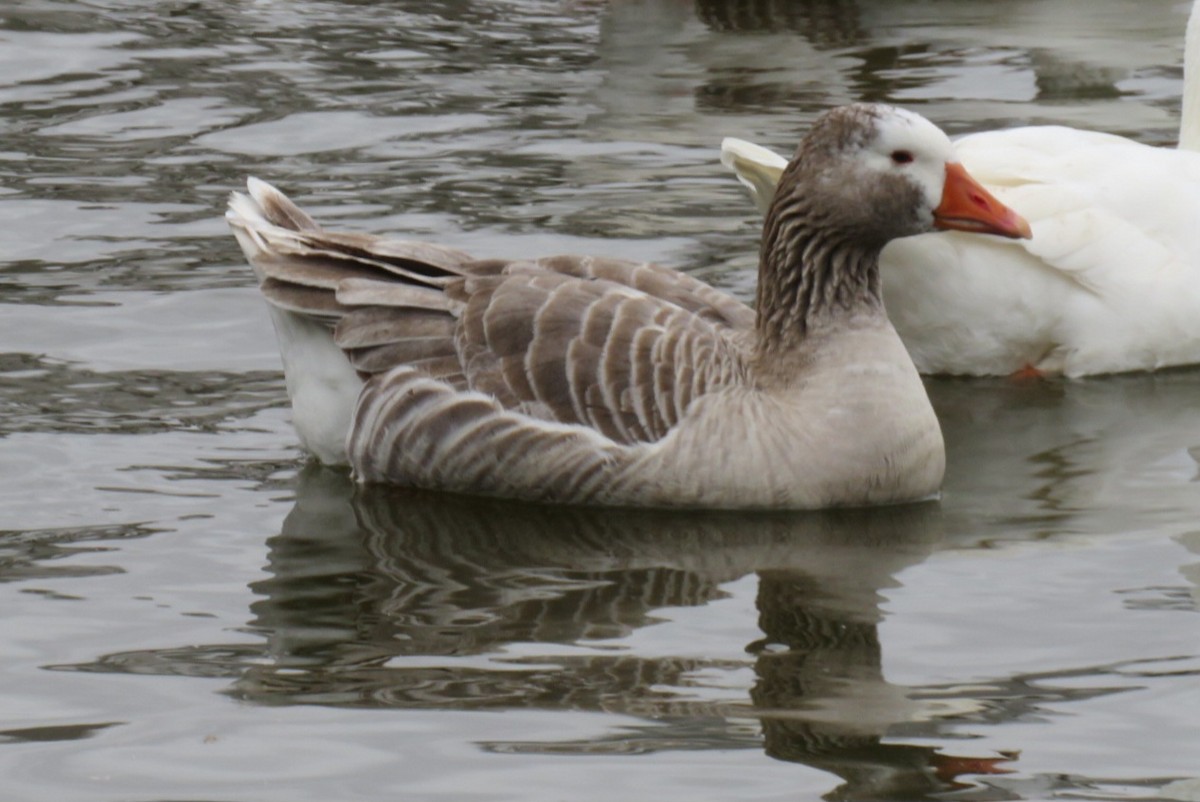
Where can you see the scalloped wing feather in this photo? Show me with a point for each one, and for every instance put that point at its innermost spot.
(593, 351)
(604, 343)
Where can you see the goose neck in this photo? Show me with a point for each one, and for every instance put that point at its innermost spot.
(813, 280)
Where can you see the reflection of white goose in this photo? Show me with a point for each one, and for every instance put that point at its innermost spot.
(584, 380)
(1109, 282)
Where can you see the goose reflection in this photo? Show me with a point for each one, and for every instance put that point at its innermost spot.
(829, 23)
(385, 597)
(1052, 457)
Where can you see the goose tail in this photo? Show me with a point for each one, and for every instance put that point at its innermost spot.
(1189, 128)
(345, 306)
(261, 209)
(321, 383)
(756, 167)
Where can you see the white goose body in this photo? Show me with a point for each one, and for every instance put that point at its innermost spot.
(598, 381)
(1109, 283)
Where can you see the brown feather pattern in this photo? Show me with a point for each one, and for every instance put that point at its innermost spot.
(603, 343)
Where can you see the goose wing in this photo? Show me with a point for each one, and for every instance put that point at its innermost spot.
(619, 346)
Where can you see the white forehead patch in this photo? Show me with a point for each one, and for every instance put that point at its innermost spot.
(907, 130)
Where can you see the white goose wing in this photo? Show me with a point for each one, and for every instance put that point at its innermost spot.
(1105, 210)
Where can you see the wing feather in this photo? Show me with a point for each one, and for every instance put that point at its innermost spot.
(375, 325)
(602, 343)
(310, 302)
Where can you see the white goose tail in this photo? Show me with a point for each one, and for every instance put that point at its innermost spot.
(1189, 128)
(756, 167)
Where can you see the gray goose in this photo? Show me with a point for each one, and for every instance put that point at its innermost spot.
(587, 380)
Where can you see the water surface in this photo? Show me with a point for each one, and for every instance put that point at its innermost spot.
(193, 612)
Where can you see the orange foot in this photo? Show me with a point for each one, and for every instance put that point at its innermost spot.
(1027, 373)
(949, 767)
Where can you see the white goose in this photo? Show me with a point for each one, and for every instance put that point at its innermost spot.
(598, 381)
(1109, 283)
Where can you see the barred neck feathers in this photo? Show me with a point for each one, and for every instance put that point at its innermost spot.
(852, 186)
(811, 275)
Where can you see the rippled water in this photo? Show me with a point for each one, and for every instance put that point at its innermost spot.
(190, 612)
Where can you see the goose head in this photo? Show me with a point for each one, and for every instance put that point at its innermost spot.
(864, 175)
(882, 172)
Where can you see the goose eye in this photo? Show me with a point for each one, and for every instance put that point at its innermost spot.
(901, 156)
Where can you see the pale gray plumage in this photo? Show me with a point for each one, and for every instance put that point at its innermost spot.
(603, 381)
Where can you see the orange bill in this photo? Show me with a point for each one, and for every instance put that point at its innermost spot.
(967, 206)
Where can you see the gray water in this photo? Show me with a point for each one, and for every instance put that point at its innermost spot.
(189, 611)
